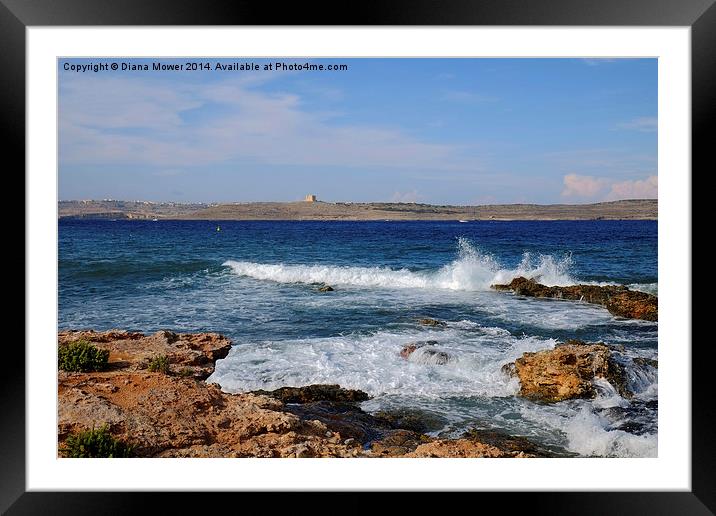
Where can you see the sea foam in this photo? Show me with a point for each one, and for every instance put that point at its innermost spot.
(472, 270)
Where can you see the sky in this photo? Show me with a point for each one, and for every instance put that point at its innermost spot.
(438, 131)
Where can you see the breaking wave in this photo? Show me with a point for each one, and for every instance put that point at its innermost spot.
(472, 270)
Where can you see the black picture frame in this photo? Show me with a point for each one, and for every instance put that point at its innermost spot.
(700, 15)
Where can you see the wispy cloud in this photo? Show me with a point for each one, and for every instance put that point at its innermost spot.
(168, 124)
(646, 124)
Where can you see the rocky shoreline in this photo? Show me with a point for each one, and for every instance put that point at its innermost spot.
(178, 414)
(175, 413)
(618, 299)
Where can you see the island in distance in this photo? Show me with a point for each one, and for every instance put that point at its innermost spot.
(312, 209)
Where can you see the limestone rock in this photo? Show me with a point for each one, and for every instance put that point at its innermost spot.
(174, 415)
(189, 354)
(618, 299)
(567, 371)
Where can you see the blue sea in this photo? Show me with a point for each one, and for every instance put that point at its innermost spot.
(257, 282)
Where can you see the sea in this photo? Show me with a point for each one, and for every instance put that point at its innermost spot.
(257, 283)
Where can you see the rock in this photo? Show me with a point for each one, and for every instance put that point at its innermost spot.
(411, 419)
(424, 354)
(516, 445)
(344, 419)
(461, 448)
(634, 305)
(618, 299)
(432, 322)
(432, 357)
(192, 353)
(174, 416)
(567, 371)
(167, 416)
(474, 443)
(458, 448)
(510, 369)
(408, 349)
(326, 288)
(480, 443)
(646, 362)
(398, 443)
(314, 393)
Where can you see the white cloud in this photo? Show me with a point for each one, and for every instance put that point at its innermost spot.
(644, 124)
(640, 189)
(590, 188)
(583, 186)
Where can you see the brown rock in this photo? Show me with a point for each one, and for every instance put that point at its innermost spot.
(431, 322)
(165, 416)
(618, 299)
(398, 443)
(411, 419)
(326, 288)
(473, 444)
(408, 349)
(174, 416)
(634, 305)
(457, 448)
(514, 445)
(191, 354)
(567, 371)
(314, 393)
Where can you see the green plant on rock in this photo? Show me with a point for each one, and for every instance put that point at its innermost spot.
(159, 364)
(95, 443)
(82, 356)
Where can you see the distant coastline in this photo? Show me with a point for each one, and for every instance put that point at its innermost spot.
(636, 209)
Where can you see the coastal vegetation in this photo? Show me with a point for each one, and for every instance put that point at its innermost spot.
(82, 356)
(95, 443)
(159, 364)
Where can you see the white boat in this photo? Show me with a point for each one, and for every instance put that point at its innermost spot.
(463, 220)
(154, 220)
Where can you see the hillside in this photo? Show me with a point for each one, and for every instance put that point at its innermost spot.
(628, 209)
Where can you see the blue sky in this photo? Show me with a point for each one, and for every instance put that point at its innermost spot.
(441, 131)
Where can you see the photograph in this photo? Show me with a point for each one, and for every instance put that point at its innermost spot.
(357, 257)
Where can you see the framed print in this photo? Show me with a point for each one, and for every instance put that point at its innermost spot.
(267, 250)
